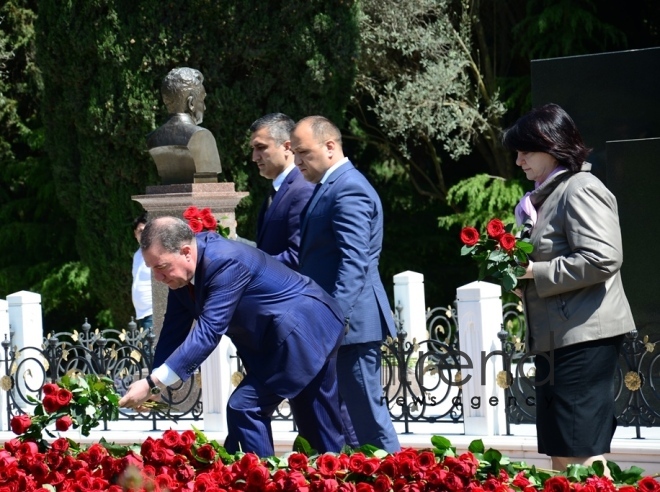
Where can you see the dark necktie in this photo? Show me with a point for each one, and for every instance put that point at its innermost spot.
(316, 189)
(271, 195)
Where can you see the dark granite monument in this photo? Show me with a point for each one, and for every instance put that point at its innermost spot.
(613, 98)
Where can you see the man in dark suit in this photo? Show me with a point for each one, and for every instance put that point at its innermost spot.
(340, 242)
(278, 225)
(272, 315)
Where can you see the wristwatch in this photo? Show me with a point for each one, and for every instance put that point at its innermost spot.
(153, 389)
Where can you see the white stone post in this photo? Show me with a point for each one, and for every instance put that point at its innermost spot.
(4, 335)
(479, 307)
(216, 385)
(24, 310)
(409, 293)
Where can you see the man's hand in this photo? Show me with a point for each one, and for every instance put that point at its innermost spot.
(138, 393)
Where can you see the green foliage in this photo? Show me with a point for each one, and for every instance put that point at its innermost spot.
(91, 399)
(103, 63)
(480, 198)
(422, 98)
(552, 29)
(37, 238)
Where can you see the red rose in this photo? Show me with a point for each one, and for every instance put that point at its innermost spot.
(248, 461)
(363, 487)
(521, 480)
(327, 465)
(191, 213)
(469, 236)
(20, 424)
(425, 460)
(370, 466)
(295, 481)
(60, 445)
(208, 220)
(206, 452)
(389, 467)
(383, 483)
(196, 225)
(257, 476)
(50, 403)
(648, 484)
(50, 389)
(187, 439)
(557, 483)
(356, 462)
(63, 423)
(172, 439)
(508, 241)
(12, 445)
(298, 461)
(63, 397)
(495, 228)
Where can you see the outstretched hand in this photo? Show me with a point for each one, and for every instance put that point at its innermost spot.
(138, 393)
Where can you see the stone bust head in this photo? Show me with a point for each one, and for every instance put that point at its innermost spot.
(183, 151)
(183, 92)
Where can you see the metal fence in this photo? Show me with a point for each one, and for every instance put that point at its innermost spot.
(420, 378)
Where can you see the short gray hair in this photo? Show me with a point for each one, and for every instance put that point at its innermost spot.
(170, 232)
(279, 126)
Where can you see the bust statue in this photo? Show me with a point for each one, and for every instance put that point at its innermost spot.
(183, 151)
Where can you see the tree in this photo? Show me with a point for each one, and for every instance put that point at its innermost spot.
(36, 237)
(421, 96)
(103, 63)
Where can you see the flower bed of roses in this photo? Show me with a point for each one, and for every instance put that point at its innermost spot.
(188, 461)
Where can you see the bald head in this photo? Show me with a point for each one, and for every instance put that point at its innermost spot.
(170, 233)
(316, 143)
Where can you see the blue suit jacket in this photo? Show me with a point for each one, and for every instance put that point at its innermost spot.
(341, 240)
(278, 226)
(271, 313)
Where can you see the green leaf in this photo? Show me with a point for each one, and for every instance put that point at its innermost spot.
(525, 246)
(301, 445)
(477, 446)
(509, 281)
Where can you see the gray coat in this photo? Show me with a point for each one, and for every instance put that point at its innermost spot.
(576, 294)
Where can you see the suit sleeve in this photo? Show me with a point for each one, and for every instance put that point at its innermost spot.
(594, 237)
(176, 325)
(352, 226)
(224, 289)
(300, 198)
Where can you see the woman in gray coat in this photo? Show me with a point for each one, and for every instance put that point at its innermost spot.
(577, 312)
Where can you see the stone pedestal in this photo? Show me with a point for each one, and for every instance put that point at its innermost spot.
(479, 308)
(174, 199)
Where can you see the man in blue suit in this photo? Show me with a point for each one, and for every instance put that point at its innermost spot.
(278, 224)
(273, 316)
(340, 243)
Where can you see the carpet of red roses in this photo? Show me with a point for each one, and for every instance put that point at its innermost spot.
(176, 463)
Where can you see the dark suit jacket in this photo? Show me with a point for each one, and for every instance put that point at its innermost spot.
(271, 313)
(278, 226)
(340, 242)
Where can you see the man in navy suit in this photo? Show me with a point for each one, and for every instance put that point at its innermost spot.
(340, 242)
(278, 225)
(272, 315)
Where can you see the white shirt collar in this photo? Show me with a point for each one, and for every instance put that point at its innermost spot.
(277, 182)
(332, 169)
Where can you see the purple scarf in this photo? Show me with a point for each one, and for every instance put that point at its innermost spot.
(525, 209)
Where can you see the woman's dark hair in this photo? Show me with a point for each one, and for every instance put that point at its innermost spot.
(551, 130)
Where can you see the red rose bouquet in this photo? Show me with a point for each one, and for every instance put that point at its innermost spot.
(76, 400)
(203, 220)
(499, 254)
